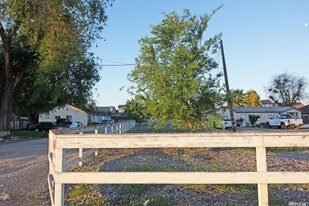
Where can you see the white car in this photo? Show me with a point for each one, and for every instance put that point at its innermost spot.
(227, 123)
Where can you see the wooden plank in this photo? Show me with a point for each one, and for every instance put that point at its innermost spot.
(119, 141)
(261, 166)
(182, 177)
(301, 140)
(80, 156)
(59, 194)
(151, 141)
(59, 187)
(51, 188)
(263, 194)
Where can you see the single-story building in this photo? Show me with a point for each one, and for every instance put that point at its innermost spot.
(108, 110)
(97, 117)
(264, 113)
(305, 114)
(268, 103)
(68, 111)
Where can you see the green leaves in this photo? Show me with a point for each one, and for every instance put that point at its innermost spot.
(173, 73)
(50, 40)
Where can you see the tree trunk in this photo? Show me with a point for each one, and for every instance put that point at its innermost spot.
(6, 112)
(11, 79)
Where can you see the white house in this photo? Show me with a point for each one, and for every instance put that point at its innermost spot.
(67, 111)
(263, 112)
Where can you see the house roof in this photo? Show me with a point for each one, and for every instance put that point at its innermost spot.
(298, 105)
(75, 108)
(266, 101)
(263, 109)
(304, 109)
(106, 109)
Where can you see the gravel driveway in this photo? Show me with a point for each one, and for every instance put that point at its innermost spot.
(23, 173)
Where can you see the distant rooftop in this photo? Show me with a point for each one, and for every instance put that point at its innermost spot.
(304, 109)
(262, 109)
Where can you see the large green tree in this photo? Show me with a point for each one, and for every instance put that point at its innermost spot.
(286, 89)
(136, 110)
(44, 52)
(174, 74)
(249, 99)
(238, 97)
(252, 99)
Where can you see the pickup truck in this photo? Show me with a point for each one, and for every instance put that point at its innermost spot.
(283, 121)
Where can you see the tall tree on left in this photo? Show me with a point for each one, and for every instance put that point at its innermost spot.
(45, 40)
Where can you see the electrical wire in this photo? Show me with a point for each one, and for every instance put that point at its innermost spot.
(118, 64)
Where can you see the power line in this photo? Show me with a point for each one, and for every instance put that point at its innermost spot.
(116, 65)
(112, 61)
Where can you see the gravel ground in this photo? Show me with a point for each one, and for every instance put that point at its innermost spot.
(23, 173)
(191, 160)
(24, 168)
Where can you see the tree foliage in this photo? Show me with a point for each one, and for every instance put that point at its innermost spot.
(174, 76)
(238, 97)
(286, 89)
(136, 110)
(252, 99)
(249, 99)
(44, 55)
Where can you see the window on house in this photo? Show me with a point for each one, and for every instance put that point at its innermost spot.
(57, 117)
(69, 117)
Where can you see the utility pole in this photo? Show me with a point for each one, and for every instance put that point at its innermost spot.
(228, 93)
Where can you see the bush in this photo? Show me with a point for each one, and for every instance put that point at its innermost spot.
(253, 118)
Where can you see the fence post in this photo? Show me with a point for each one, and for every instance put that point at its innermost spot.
(112, 128)
(80, 152)
(120, 129)
(96, 131)
(105, 129)
(262, 167)
(59, 187)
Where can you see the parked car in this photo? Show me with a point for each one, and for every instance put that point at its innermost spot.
(105, 121)
(43, 126)
(79, 124)
(65, 123)
(283, 121)
(227, 123)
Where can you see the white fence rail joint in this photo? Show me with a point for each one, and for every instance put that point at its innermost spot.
(58, 176)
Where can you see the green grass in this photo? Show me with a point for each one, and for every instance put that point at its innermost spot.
(244, 189)
(139, 188)
(29, 133)
(78, 191)
(161, 201)
(286, 149)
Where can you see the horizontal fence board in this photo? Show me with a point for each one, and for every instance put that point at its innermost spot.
(180, 140)
(182, 177)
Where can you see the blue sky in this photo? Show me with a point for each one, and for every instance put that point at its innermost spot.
(261, 39)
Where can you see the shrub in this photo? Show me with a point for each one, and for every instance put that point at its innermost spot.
(253, 118)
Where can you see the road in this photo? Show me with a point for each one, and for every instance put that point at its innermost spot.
(23, 173)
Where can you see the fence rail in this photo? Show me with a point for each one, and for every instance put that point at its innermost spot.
(59, 143)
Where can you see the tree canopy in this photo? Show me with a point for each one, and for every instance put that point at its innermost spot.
(174, 74)
(286, 89)
(249, 99)
(45, 55)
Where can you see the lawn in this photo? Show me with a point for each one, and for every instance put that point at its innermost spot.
(29, 134)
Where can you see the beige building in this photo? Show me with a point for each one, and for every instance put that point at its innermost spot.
(68, 111)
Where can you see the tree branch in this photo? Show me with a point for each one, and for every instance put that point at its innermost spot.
(2, 32)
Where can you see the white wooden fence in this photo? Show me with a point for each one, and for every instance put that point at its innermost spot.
(58, 176)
